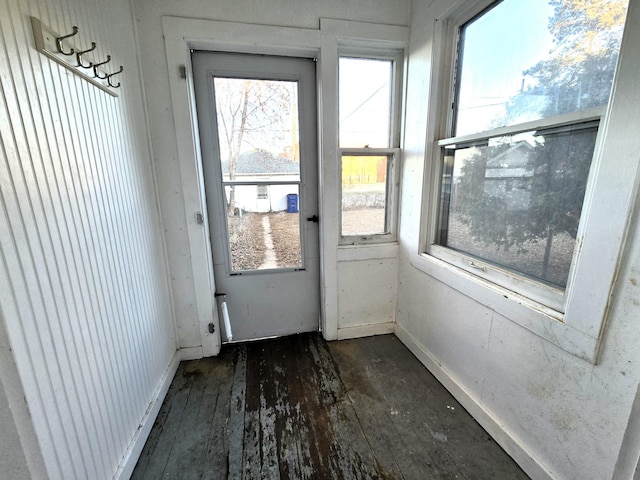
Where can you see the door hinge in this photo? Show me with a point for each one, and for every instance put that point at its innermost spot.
(183, 71)
(212, 328)
(199, 218)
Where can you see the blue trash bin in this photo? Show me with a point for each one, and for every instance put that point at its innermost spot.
(292, 203)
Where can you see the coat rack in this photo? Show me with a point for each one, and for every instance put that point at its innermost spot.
(81, 61)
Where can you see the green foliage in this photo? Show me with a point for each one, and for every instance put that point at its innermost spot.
(579, 71)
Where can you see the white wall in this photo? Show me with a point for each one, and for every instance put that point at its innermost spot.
(84, 295)
(12, 457)
(559, 415)
(20, 456)
(178, 222)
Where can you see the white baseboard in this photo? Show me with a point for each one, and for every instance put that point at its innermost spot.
(128, 463)
(365, 330)
(191, 353)
(512, 445)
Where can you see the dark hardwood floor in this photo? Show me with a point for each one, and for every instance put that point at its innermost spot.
(298, 408)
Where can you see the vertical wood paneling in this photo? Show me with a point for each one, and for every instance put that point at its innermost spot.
(83, 285)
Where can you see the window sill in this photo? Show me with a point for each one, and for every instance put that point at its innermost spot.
(538, 319)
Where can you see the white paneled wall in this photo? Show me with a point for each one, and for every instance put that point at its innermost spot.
(83, 286)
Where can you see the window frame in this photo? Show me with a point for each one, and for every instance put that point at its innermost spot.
(538, 291)
(392, 152)
(578, 327)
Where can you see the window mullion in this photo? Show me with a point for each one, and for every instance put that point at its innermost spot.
(583, 116)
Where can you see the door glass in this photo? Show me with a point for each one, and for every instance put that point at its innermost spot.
(258, 131)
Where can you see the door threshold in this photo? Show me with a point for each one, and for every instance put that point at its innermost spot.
(271, 337)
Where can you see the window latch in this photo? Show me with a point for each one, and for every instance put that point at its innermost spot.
(473, 264)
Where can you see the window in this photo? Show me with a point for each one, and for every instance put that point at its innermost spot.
(532, 80)
(262, 192)
(369, 141)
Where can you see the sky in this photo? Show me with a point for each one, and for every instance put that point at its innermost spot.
(515, 30)
(364, 102)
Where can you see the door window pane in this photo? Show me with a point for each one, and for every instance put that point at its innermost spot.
(264, 234)
(258, 135)
(524, 60)
(364, 194)
(365, 102)
(258, 127)
(516, 201)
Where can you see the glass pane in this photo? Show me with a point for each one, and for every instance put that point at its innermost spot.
(365, 102)
(517, 201)
(258, 128)
(258, 133)
(524, 60)
(264, 226)
(364, 195)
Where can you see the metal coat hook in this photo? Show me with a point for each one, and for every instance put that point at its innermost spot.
(77, 56)
(96, 65)
(82, 52)
(111, 75)
(60, 39)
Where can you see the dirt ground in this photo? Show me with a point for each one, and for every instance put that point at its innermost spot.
(362, 221)
(248, 247)
(246, 235)
(286, 239)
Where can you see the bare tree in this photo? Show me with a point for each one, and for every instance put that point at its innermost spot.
(250, 113)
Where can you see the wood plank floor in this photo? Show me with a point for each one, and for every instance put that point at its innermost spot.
(299, 408)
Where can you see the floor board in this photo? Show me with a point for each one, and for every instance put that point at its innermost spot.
(300, 408)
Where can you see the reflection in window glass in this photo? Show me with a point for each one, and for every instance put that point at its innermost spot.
(516, 201)
(524, 60)
(364, 195)
(365, 102)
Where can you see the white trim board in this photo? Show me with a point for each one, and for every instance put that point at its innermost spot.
(131, 456)
(190, 353)
(490, 422)
(370, 330)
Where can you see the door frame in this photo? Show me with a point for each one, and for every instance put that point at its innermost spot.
(259, 311)
(183, 34)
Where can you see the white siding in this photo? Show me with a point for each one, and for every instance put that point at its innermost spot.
(83, 286)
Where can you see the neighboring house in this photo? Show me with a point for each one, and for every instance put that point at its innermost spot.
(262, 167)
(509, 176)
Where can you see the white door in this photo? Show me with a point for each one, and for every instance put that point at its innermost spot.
(257, 123)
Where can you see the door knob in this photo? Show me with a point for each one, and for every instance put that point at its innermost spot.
(313, 219)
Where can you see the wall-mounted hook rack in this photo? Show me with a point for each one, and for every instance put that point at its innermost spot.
(60, 49)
